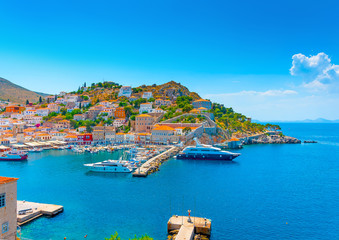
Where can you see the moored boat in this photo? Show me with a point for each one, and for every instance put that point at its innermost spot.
(111, 166)
(206, 152)
(14, 156)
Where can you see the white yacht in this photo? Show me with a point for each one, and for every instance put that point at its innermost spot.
(112, 166)
(206, 152)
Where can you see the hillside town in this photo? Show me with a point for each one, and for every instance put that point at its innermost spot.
(108, 113)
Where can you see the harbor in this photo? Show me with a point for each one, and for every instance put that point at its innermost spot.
(98, 204)
(29, 211)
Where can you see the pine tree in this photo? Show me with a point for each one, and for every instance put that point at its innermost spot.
(40, 99)
(27, 102)
(85, 84)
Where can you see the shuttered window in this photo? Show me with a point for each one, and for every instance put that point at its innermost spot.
(2, 200)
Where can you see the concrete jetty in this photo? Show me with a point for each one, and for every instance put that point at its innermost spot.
(153, 163)
(188, 227)
(28, 211)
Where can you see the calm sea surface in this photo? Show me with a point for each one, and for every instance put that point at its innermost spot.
(269, 192)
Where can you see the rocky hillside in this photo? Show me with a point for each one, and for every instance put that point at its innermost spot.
(109, 91)
(275, 138)
(15, 93)
(169, 89)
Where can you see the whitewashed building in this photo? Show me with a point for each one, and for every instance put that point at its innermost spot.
(145, 107)
(147, 95)
(125, 91)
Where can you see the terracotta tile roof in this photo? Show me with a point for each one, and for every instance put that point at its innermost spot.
(163, 128)
(71, 136)
(4, 180)
(143, 115)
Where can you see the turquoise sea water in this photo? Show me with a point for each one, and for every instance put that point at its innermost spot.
(269, 192)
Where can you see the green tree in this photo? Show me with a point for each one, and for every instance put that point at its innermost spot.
(186, 130)
(89, 128)
(128, 111)
(187, 108)
(40, 99)
(123, 104)
(138, 102)
(63, 111)
(27, 102)
(85, 97)
(116, 237)
(183, 101)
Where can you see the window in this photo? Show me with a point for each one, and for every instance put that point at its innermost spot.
(5, 227)
(2, 200)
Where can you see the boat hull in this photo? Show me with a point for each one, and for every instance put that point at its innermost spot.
(223, 157)
(110, 169)
(18, 158)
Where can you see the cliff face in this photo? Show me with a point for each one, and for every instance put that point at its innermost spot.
(15, 93)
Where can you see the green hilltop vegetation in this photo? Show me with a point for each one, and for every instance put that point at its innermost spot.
(238, 123)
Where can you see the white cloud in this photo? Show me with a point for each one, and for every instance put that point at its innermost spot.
(268, 93)
(320, 77)
(317, 71)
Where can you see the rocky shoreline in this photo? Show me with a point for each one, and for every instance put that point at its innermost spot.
(274, 139)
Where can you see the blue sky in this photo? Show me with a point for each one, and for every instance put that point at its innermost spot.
(236, 53)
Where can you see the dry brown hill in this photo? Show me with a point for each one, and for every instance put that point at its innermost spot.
(15, 93)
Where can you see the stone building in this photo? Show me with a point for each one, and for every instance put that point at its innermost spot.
(8, 208)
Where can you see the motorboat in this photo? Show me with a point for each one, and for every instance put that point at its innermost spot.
(206, 152)
(112, 166)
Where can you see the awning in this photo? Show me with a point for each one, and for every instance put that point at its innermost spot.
(19, 146)
(31, 144)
